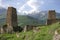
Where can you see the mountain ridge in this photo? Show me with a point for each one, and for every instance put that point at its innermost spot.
(37, 17)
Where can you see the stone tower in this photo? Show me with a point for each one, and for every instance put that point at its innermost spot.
(51, 17)
(11, 20)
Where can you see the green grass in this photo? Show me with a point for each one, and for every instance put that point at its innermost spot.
(25, 20)
(45, 33)
(22, 20)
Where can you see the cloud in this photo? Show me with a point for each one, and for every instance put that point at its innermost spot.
(18, 3)
(0, 2)
(34, 4)
(42, 2)
(4, 5)
(20, 9)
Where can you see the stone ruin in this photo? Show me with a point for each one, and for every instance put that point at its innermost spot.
(11, 19)
(29, 27)
(3, 29)
(11, 22)
(51, 17)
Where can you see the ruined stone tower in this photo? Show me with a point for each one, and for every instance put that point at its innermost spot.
(51, 17)
(11, 20)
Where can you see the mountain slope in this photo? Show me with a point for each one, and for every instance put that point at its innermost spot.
(32, 19)
(42, 15)
(44, 33)
(58, 15)
(25, 20)
(3, 13)
(22, 21)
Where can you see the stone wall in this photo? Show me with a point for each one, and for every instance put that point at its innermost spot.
(29, 27)
(3, 29)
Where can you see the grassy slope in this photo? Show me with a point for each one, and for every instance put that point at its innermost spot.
(22, 20)
(2, 18)
(45, 33)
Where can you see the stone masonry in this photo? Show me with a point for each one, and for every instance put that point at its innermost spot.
(11, 20)
(29, 27)
(51, 17)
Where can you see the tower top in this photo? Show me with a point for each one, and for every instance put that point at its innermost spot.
(51, 11)
(11, 7)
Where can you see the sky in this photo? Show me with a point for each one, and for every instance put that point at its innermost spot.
(29, 6)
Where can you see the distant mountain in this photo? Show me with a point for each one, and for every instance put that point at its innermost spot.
(42, 15)
(26, 20)
(39, 15)
(3, 12)
(22, 19)
(34, 18)
(58, 15)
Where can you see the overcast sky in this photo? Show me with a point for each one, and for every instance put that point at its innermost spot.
(28, 6)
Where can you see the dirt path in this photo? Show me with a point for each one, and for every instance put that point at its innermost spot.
(56, 36)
